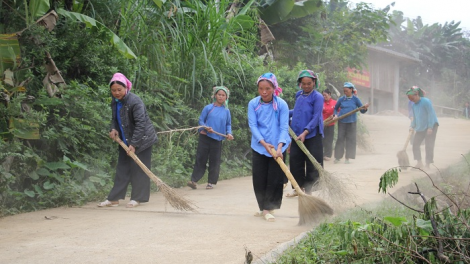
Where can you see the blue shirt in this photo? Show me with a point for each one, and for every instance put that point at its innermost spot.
(118, 117)
(424, 115)
(218, 118)
(307, 114)
(348, 104)
(268, 124)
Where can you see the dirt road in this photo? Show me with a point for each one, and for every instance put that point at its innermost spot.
(155, 233)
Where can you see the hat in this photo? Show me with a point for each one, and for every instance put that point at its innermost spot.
(310, 74)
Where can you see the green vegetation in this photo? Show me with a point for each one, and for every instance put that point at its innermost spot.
(430, 226)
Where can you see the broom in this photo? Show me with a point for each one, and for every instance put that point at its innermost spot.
(402, 156)
(176, 201)
(327, 122)
(310, 207)
(333, 187)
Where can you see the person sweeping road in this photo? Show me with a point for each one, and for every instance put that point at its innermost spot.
(217, 120)
(268, 119)
(130, 123)
(307, 124)
(425, 125)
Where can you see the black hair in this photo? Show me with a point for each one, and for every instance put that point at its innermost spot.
(117, 82)
(327, 91)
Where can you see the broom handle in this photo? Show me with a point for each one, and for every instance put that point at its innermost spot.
(325, 123)
(301, 145)
(408, 139)
(287, 172)
(217, 133)
(137, 160)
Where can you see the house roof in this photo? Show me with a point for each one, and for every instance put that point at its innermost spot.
(400, 56)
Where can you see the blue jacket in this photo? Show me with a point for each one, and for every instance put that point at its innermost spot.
(347, 105)
(217, 117)
(307, 114)
(424, 115)
(268, 124)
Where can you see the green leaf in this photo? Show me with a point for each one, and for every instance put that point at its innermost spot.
(159, 3)
(33, 175)
(9, 52)
(53, 166)
(48, 185)
(43, 172)
(38, 8)
(29, 193)
(277, 11)
(425, 227)
(92, 23)
(396, 221)
(304, 8)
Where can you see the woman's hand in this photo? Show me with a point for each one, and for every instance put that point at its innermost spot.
(302, 136)
(113, 134)
(366, 106)
(229, 137)
(429, 132)
(209, 129)
(267, 146)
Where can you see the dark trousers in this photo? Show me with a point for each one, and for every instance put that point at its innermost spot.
(207, 149)
(346, 140)
(429, 141)
(301, 167)
(329, 134)
(267, 181)
(127, 171)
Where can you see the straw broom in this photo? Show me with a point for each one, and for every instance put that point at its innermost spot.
(333, 187)
(310, 207)
(176, 201)
(402, 156)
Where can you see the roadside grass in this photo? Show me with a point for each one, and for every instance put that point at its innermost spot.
(394, 232)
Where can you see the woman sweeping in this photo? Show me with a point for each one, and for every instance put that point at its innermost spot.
(328, 131)
(216, 117)
(268, 118)
(347, 126)
(307, 124)
(131, 123)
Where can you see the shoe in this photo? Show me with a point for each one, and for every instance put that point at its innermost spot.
(132, 204)
(336, 161)
(419, 165)
(269, 217)
(292, 194)
(209, 186)
(108, 204)
(326, 158)
(347, 162)
(260, 213)
(192, 184)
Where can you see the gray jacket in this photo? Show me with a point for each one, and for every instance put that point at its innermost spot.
(136, 124)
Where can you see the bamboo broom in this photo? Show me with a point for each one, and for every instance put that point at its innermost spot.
(329, 121)
(402, 156)
(310, 207)
(176, 201)
(333, 187)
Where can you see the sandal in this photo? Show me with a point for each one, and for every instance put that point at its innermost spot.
(192, 184)
(209, 186)
(269, 217)
(132, 204)
(292, 194)
(260, 213)
(108, 204)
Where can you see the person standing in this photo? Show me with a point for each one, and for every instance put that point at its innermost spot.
(466, 110)
(268, 119)
(329, 130)
(346, 139)
(216, 118)
(425, 125)
(307, 123)
(131, 123)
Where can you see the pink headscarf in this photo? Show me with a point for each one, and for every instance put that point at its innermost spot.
(121, 78)
(270, 77)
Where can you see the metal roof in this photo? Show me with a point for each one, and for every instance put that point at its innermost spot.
(393, 53)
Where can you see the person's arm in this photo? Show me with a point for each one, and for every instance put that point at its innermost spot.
(316, 117)
(283, 123)
(113, 130)
(359, 104)
(229, 126)
(139, 114)
(253, 122)
(202, 120)
(431, 115)
(337, 106)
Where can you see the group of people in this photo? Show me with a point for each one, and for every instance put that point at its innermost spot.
(269, 119)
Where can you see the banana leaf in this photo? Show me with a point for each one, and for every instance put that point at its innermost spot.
(9, 52)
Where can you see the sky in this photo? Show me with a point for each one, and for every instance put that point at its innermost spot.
(429, 10)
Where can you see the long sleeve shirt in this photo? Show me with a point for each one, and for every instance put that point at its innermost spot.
(268, 124)
(348, 104)
(424, 115)
(329, 109)
(218, 118)
(307, 114)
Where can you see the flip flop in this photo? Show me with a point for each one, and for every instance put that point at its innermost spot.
(260, 213)
(269, 217)
(209, 186)
(292, 194)
(132, 204)
(108, 204)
